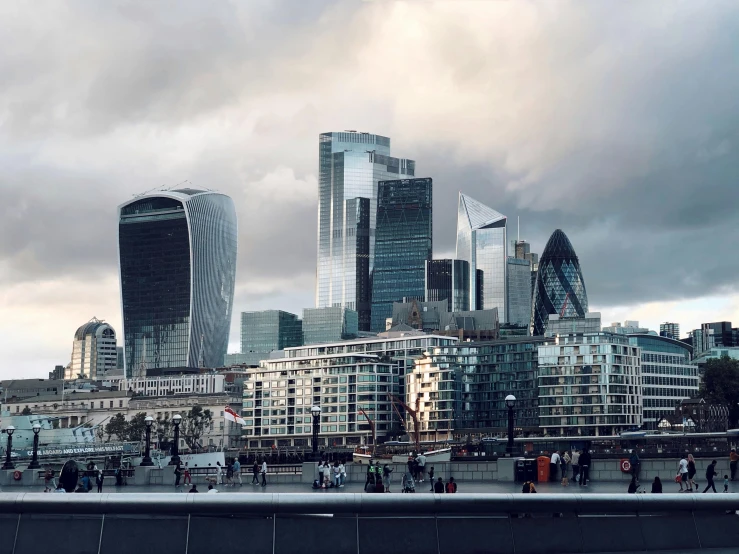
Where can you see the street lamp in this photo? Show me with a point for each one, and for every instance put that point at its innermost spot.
(9, 464)
(176, 446)
(34, 461)
(510, 401)
(316, 413)
(147, 457)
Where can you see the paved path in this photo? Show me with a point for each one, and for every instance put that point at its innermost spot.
(421, 488)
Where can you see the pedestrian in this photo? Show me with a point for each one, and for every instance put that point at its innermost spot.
(219, 473)
(564, 462)
(439, 486)
(255, 473)
(187, 480)
(431, 478)
(657, 486)
(386, 472)
(710, 474)
(49, 481)
(371, 473)
(264, 472)
(553, 465)
(575, 465)
(229, 474)
(584, 467)
(528, 487)
(336, 474)
(691, 473)
(236, 471)
(99, 480)
(632, 486)
(726, 483)
(733, 461)
(682, 472)
(118, 476)
(412, 466)
(177, 475)
(194, 489)
(421, 459)
(327, 474)
(212, 489)
(635, 464)
(86, 486)
(451, 486)
(342, 474)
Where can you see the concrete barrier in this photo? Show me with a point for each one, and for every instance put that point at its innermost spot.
(361, 523)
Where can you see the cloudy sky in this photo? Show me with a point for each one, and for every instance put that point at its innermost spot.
(617, 122)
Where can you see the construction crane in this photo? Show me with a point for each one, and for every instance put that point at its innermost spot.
(564, 306)
(372, 427)
(414, 416)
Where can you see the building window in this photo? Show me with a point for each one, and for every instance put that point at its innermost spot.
(120, 403)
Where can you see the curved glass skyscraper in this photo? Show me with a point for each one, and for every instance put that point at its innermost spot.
(559, 284)
(177, 263)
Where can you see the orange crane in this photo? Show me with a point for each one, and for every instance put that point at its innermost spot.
(564, 306)
(414, 416)
(372, 427)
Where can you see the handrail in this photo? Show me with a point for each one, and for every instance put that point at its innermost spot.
(362, 503)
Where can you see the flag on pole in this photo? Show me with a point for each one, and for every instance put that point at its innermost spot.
(230, 415)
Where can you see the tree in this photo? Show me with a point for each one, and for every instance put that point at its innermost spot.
(99, 431)
(194, 424)
(136, 427)
(721, 385)
(116, 426)
(26, 411)
(163, 431)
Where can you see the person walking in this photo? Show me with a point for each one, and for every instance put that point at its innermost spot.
(564, 462)
(255, 473)
(421, 459)
(342, 474)
(237, 471)
(188, 479)
(177, 475)
(635, 464)
(710, 474)
(682, 471)
(657, 486)
(575, 465)
(439, 486)
(219, 473)
(386, 472)
(99, 480)
(584, 468)
(431, 478)
(451, 486)
(553, 465)
(371, 474)
(726, 483)
(229, 474)
(692, 486)
(733, 462)
(264, 472)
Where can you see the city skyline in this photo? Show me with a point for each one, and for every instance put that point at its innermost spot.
(636, 163)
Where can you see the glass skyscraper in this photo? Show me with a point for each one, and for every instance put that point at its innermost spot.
(560, 287)
(270, 330)
(351, 165)
(449, 280)
(519, 292)
(481, 240)
(329, 325)
(177, 264)
(403, 245)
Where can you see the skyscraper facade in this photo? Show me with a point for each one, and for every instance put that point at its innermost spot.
(481, 240)
(448, 280)
(403, 245)
(270, 330)
(351, 165)
(560, 287)
(94, 351)
(329, 324)
(670, 330)
(519, 291)
(177, 264)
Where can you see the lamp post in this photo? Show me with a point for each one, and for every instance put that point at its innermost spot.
(176, 419)
(8, 463)
(147, 456)
(316, 413)
(510, 401)
(34, 461)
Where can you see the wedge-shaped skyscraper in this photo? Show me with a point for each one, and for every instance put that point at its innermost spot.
(177, 263)
(481, 240)
(560, 287)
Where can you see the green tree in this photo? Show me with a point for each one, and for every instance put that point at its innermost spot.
(136, 427)
(116, 426)
(163, 430)
(26, 411)
(721, 385)
(99, 431)
(194, 424)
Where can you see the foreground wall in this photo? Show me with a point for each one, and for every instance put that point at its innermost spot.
(361, 523)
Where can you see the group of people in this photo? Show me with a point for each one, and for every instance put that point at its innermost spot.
(560, 462)
(232, 474)
(330, 475)
(686, 475)
(379, 478)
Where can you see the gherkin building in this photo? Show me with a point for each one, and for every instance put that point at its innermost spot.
(559, 284)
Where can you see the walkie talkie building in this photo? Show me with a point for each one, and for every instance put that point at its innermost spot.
(177, 264)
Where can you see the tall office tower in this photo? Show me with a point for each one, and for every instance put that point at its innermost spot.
(560, 287)
(403, 245)
(669, 330)
(270, 330)
(177, 263)
(329, 324)
(519, 291)
(522, 250)
(481, 240)
(93, 351)
(351, 165)
(448, 280)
